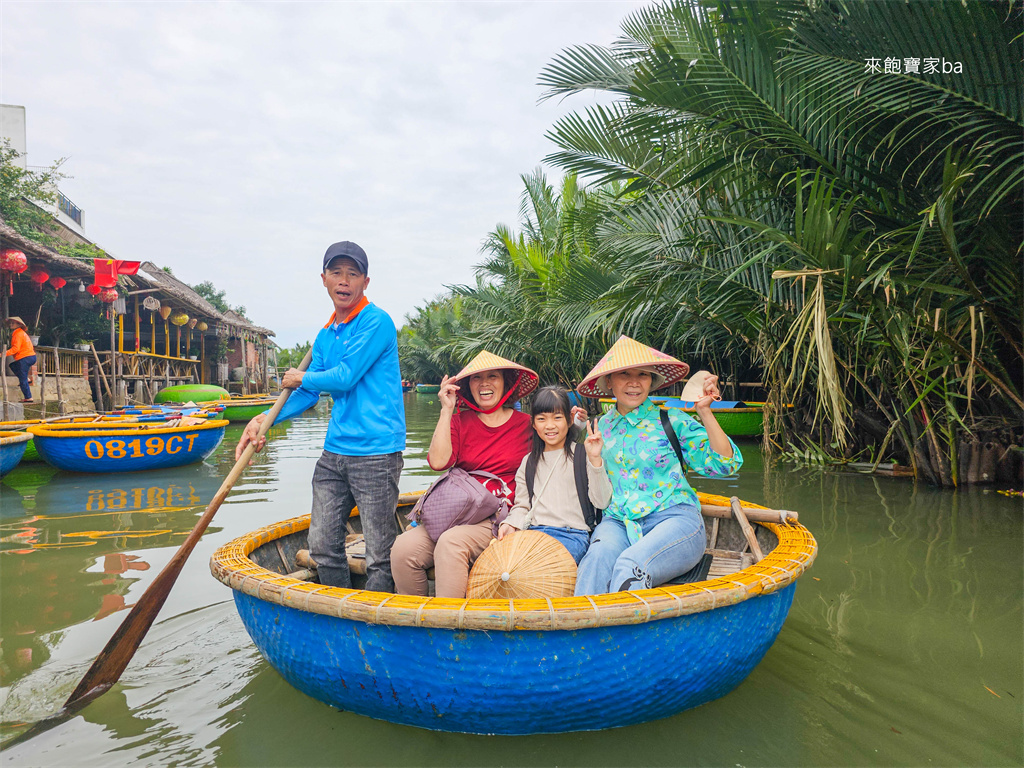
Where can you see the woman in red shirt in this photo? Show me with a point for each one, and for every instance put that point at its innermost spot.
(490, 436)
(23, 355)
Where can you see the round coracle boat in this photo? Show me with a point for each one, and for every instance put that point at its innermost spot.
(527, 665)
(12, 450)
(195, 393)
(127, 447)
(428, 389)
(29, 451)
(31, 454)
(743, 420)
(244, 410)
(161, 413)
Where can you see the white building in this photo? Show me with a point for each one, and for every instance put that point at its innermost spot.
(70, 218)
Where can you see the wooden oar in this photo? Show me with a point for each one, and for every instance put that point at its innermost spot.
(120, 649)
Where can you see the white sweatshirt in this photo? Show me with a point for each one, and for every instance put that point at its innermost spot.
(555, 501)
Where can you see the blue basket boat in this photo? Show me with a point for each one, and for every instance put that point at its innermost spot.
(126, 446)
(12, 449)
(518, 666)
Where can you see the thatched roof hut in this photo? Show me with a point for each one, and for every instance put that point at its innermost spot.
(43, 256)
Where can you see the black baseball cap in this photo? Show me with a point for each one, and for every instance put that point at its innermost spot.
(348, 250)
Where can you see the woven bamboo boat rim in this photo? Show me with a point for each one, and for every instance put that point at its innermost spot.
(121, 430)
(13, 438)
(795, 552)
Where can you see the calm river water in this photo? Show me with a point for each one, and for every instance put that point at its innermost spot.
(903, 647)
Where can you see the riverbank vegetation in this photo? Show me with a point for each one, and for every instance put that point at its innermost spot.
(769, 197)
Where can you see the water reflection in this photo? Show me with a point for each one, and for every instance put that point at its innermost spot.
(903, 646)
(68, 547)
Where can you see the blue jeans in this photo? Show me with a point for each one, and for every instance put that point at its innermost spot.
(339, 484)
(573, 539)
(672, 543)
(20, 368)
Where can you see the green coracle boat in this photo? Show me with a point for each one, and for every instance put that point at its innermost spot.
(740, 422)
(428, 389)
(195, 393)
(244, 410)
(747, 421)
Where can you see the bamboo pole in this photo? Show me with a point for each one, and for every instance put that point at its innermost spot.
(3, 371)
(167, 339)
(120, 333)
(202, 357)
(102, 373)
(779, 516)
(42, 382)
(136, 313)
(266, 368)
(60, 388)
(113, 362)
(245, 367)
(96, 381)
(748, 532)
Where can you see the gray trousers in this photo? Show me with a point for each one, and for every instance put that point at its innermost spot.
(339, 484)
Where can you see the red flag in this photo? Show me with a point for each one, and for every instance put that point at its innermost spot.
(106, 272)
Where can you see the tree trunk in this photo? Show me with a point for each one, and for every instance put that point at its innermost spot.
(924, 462)
(987, 463)
(1006, 466)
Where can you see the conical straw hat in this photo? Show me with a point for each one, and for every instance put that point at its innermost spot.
(487, 361)
(694, 389)
(526, 564)
(627, 353)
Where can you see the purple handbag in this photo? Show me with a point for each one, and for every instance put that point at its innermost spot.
(455, 498)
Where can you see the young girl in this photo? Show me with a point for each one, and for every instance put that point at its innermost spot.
(555, 507)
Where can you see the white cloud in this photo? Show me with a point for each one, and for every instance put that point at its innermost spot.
(234, 141)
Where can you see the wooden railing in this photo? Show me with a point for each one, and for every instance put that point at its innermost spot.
(143, 371)
(70, 360)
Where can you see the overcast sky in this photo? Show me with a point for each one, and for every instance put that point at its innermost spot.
(234, 141)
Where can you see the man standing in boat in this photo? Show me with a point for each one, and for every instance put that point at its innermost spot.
(355, 359)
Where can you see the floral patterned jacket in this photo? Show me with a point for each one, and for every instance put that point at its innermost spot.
(643, 469)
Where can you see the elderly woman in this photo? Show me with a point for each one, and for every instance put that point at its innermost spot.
(489, 436)
(652, 531)
(22, 354)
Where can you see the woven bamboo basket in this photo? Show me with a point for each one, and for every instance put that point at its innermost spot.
(515, 666)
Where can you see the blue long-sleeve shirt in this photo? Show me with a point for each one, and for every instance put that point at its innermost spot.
(357, 363)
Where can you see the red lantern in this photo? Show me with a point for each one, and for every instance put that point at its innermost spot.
(108, 295)
(58, 283)
(39, 277)
(94, 290)
(13, 261)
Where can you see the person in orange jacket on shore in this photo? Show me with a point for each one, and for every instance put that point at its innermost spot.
(23, 354)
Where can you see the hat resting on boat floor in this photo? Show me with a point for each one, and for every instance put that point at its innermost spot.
(628, 353)
(526, 564)
(526, 380)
